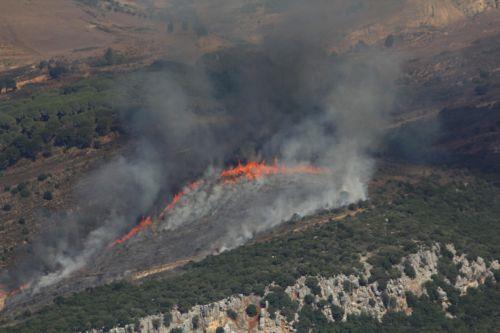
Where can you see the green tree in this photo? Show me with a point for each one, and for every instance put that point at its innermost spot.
(110, 57)
(251, 310)
(232, 314)
(57, 71)
(176, 330)
(47, 195)
(167, 319)
(409, 270)
(195, 322)
(337, 312)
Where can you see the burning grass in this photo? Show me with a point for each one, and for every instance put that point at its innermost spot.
(4, 295)
(250, 171)
(255, 170)
(145, 223)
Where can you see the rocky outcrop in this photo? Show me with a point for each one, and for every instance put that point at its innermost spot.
(350, 292)
(355, 298)
(472, 273)
(473, 7)
(413, 16)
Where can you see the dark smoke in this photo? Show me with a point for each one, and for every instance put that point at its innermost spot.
(287, 97)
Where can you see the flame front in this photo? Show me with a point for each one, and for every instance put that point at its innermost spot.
(250, 171)
(4, 295)
(256, 170)
(145, 222)
(178, 196)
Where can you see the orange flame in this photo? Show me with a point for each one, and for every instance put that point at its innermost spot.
(145, 222)
(178, 196)
(255, 170)
(250, 171)
(4, 295)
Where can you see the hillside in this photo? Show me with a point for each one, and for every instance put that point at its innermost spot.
(36, 30)
(248, 166)
(372, 247)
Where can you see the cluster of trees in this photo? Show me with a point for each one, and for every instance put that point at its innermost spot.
(416, 214)
(67, 117)
(110, 58)
(475, 312)
(7, 84)
(114, 5)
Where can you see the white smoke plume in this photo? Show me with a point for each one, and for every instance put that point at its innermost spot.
(285, 98)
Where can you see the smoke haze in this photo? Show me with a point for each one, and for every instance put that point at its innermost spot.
(285, 98)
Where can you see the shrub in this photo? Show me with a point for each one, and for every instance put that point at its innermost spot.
(394, 273)
(389, 41)
(47, 195)
(337, 312)
(448, 268)
(57, 71)
(251, 310)
(232, 314)
(409, 270)
(167, 319)
(219, 330)
(481, 89)
(156, 324)
(24, 193)
(347, 286)
(312, 283)
(309, 299)
(195, 322)
(322, 304)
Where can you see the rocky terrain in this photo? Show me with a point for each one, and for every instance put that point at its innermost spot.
(350, 293)
(181, 31)
(446, 117)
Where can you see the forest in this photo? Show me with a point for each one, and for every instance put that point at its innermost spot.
(399, 219)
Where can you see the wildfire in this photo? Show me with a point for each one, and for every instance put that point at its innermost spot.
(250, 170)
(4, 295)
(256, 170)
(178, 196)
(145, 222)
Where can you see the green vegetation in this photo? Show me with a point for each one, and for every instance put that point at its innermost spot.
(68, 117)
(110, 58)
(404, 216)
(176, 330)
(42, 177)
(196, 322)
(337, 312)
(475, 312)
(251, 310)
(278, 300)
(409, 270)
(7, 84)
(312, 283)
(167, 319)
(232, 314)
(114, 6)
(47, 195)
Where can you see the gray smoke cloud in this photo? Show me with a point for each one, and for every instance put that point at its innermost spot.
(285, 98)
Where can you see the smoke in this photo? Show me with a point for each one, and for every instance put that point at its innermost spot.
(285, 98)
